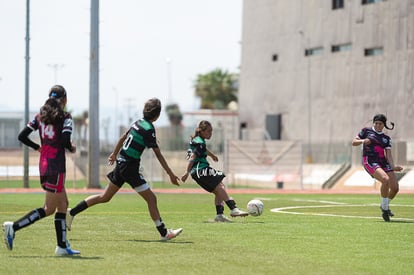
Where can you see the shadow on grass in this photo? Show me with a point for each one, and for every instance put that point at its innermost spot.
(159, 241)
(234, 222)
(73, 257)
(397, 221)
(401, 221)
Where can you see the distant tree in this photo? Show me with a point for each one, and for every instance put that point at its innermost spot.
(175, 130)
(216, 89)
(174, 114)
(81, 124)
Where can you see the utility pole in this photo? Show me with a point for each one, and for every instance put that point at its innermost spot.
(26, 96)
(56, 67)
(93, 144)
(168, 61)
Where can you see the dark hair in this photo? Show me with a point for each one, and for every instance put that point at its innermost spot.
(383, 119)
(57, 92)
(202, 126)
(152, 108)
(52, 111)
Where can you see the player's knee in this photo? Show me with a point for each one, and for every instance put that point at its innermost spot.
(104, 199)
(395, 188)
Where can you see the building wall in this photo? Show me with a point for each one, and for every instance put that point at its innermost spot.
(11, 123)
(326, 97)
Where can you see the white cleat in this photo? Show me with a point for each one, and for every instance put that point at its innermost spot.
(222, 218)
(60, 251)
(8, 234)
(236, 212)
(171, 234)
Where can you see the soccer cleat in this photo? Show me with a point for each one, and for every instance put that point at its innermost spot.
(385, 215)
(8, 234)
(60, 251)
(390, 213)
(171, 234)
(69, 220)
(222, 218)
(236, 212)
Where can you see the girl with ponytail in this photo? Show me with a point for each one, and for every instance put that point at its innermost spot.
(378, 160)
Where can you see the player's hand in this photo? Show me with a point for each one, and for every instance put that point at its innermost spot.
(398, 168)
(73, 150)
(174, 179)
(111, 159)
(214, 157)
(184, 177)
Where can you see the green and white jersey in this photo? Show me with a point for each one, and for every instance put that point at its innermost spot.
(198, 147)
(140, 135)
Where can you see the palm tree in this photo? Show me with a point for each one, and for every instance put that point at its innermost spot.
(216, 89)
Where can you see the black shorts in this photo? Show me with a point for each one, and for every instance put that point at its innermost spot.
(125, 171)
(53, 183)
(208, 178)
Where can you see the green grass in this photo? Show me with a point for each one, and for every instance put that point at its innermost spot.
(82, 184)
(345, 236)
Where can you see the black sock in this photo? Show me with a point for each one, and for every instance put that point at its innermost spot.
(219, 209)
(60, 228)
(162, 229)
(29, 219)
(78, 208)
(231, 204)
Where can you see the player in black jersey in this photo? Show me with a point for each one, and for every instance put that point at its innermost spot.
(129, 149)
(55, 130)
(378, 160)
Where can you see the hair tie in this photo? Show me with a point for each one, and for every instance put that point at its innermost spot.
(53, 94)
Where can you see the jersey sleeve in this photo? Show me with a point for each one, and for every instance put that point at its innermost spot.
(67, 124)
(34, 123)
(362, 134)
(388, 144)
(199, 149)
(150, 139)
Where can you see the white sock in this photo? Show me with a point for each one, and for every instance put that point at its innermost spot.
(384, 203)
(158, 222)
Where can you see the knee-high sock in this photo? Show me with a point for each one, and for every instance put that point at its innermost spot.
(29, 219)
(60, 227)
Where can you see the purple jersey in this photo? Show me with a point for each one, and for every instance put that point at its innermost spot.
(52, 156)
(379, 142)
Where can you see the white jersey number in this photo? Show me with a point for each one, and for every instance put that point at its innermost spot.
(127, 142)
(48, 131)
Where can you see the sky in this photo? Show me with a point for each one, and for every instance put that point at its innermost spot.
(147, 49)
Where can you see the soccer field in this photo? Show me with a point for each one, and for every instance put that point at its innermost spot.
(297, 234)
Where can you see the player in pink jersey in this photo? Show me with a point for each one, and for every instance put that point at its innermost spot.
(55, 130)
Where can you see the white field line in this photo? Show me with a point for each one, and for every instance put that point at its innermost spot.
(286, 210)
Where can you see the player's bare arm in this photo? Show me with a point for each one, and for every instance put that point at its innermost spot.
(189, 165)
(112, 156)
(173, 178)
(212, 156)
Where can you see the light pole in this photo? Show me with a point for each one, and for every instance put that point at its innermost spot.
(309, 158)
(168, 61)
(26, 93)
(116, 114)
(56, 67)
(130, 103)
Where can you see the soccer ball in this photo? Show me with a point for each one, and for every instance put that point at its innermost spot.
(255, 207)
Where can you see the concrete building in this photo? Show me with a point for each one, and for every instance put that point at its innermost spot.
(11, 123)
(319, 70)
